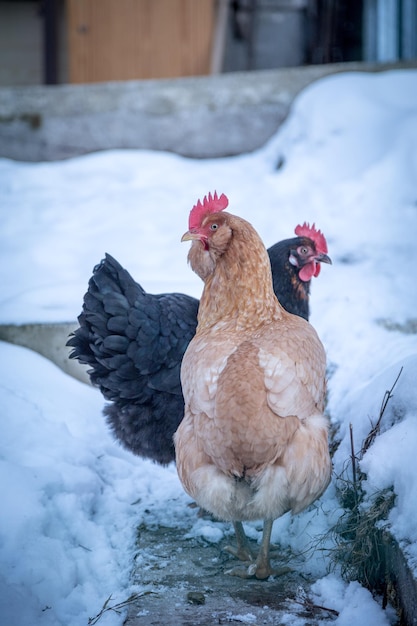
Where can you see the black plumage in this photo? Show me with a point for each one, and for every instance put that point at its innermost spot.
(134, 343)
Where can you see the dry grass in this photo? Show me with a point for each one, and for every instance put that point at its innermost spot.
(359, 538)
(361, 532)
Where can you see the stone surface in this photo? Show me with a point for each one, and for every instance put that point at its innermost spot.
(211, 116)
(175, 570)
(48, 340)
(401, 582)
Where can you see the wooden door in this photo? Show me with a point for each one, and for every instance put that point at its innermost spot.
(136, 39)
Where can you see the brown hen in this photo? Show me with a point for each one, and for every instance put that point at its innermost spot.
(253, 443)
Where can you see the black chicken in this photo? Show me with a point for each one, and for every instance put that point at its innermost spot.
(134, 341)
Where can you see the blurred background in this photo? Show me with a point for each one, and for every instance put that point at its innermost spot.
(87, 41)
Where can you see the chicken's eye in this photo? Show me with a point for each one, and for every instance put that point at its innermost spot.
(214, 227)
(303, 250)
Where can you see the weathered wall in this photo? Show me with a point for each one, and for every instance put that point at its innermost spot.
(197, 117)
(20, 43)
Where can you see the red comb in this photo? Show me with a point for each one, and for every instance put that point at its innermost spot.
(316, 235)
(210, 204)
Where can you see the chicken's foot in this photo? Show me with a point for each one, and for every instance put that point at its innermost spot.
(261, 568)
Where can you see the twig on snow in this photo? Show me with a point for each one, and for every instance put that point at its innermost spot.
(116, 607)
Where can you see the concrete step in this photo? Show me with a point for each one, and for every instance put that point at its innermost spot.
(48, 340)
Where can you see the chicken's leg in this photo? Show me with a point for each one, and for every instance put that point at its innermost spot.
(243, 551)
(262, 567)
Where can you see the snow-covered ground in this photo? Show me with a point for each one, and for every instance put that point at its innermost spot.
(71, 498)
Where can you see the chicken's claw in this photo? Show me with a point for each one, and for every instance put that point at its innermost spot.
(255, 570)
(243, 553)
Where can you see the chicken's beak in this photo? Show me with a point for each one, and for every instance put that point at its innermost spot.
(190, 236)
(323, 258)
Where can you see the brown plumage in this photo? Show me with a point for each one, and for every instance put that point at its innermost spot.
(253, 441)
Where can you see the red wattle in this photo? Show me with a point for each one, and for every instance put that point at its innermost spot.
(308, 271)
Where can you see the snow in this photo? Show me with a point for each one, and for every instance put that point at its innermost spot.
(352, 601)
(71, 497)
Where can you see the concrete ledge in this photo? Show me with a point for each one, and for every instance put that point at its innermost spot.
(48, 340)
(212, 116)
